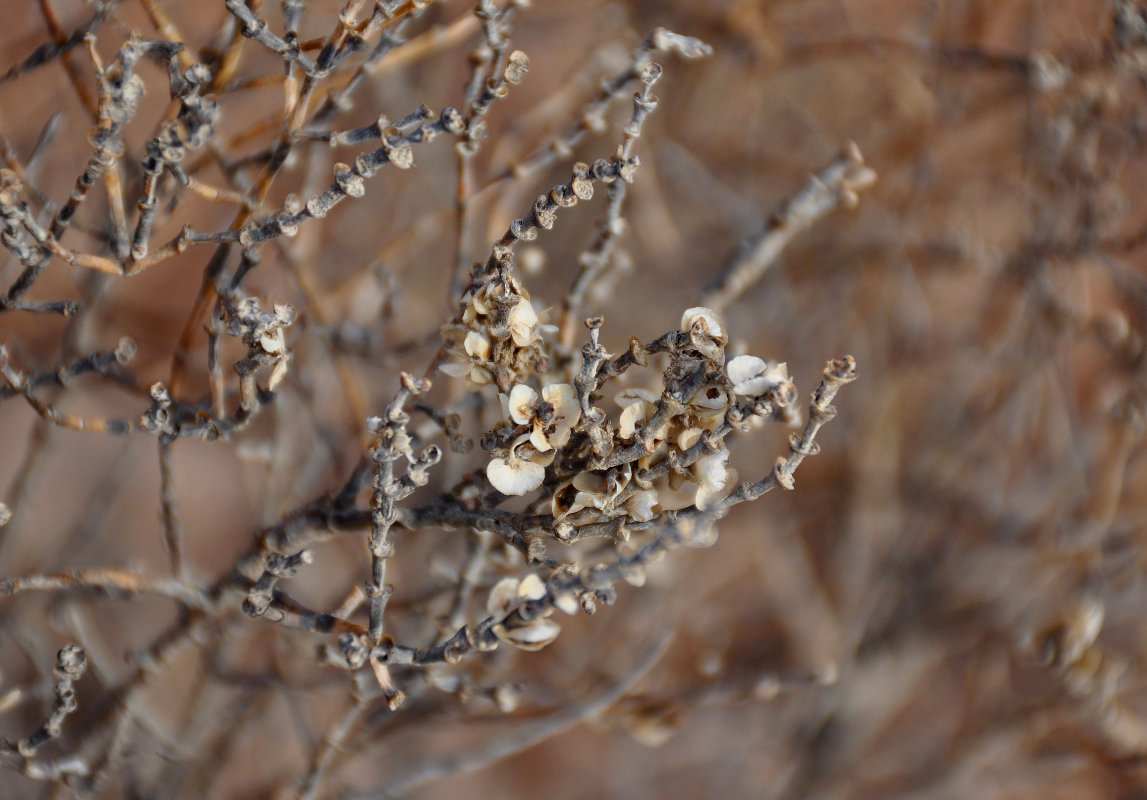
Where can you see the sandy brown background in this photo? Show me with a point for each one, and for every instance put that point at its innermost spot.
(980, 496)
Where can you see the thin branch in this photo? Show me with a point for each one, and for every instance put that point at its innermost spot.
(835, 185)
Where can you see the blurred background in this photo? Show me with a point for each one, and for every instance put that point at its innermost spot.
(950, 603)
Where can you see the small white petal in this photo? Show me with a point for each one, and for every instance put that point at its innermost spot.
(711, 470)
(523, 323)
(631, 415)
(534, 636)
(567, 603)
(713, 323)
(560, 436)
(563, 397)
(710, 495)
(277, 375)
(454, 369)
(634, 576)
(532, 587)
(627, 397)
(515, 476)
(743, 368)
(502, 597)
(273, 342)
(522, 403)
(589, 482)
(480, 376)
(538, 438)
(477, 345)
(688, 437)
(640, 505)
(706, 498)
(587, 500)
(478, 301)
(753, 376)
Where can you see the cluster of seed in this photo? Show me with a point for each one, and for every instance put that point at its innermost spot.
(499, 339)
(665, 451)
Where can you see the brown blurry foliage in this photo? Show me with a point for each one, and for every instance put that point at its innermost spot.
(946, 607)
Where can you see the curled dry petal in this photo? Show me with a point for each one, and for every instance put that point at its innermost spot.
(532, 636)
(563, 397)
(502, 597)
(714, 478)
(634, 575)
(640, 505)
(522, 403)
(277, 375)
(544, 459)
(589, 482)
(560, 502)
(477, 345)
(478, 300)
(273, 342)
(586, 490)
(753, 376)
(617, 481)
(515, 476)
(538, 438)
(688, 437)
(712, 321)
(711, 471)
(523, 323)
(588, 500)
(285, 313)
(532, 587)
(627, 397)
(567, 603)
(705, 498)
(637, 406)
(631, 416)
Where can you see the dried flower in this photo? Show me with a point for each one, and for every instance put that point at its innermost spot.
(706, 321)
(637, 406)
(506, 592)
(521, 404)
(641, 504)
(523, 321)
(532, 634)
(515, 476)
(596, 489)
(588, 490)
(689, 437)
(551, 419)
(477, 345)
(713, 475)
(754, 377)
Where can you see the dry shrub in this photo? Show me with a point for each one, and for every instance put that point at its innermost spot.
(301, 544)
